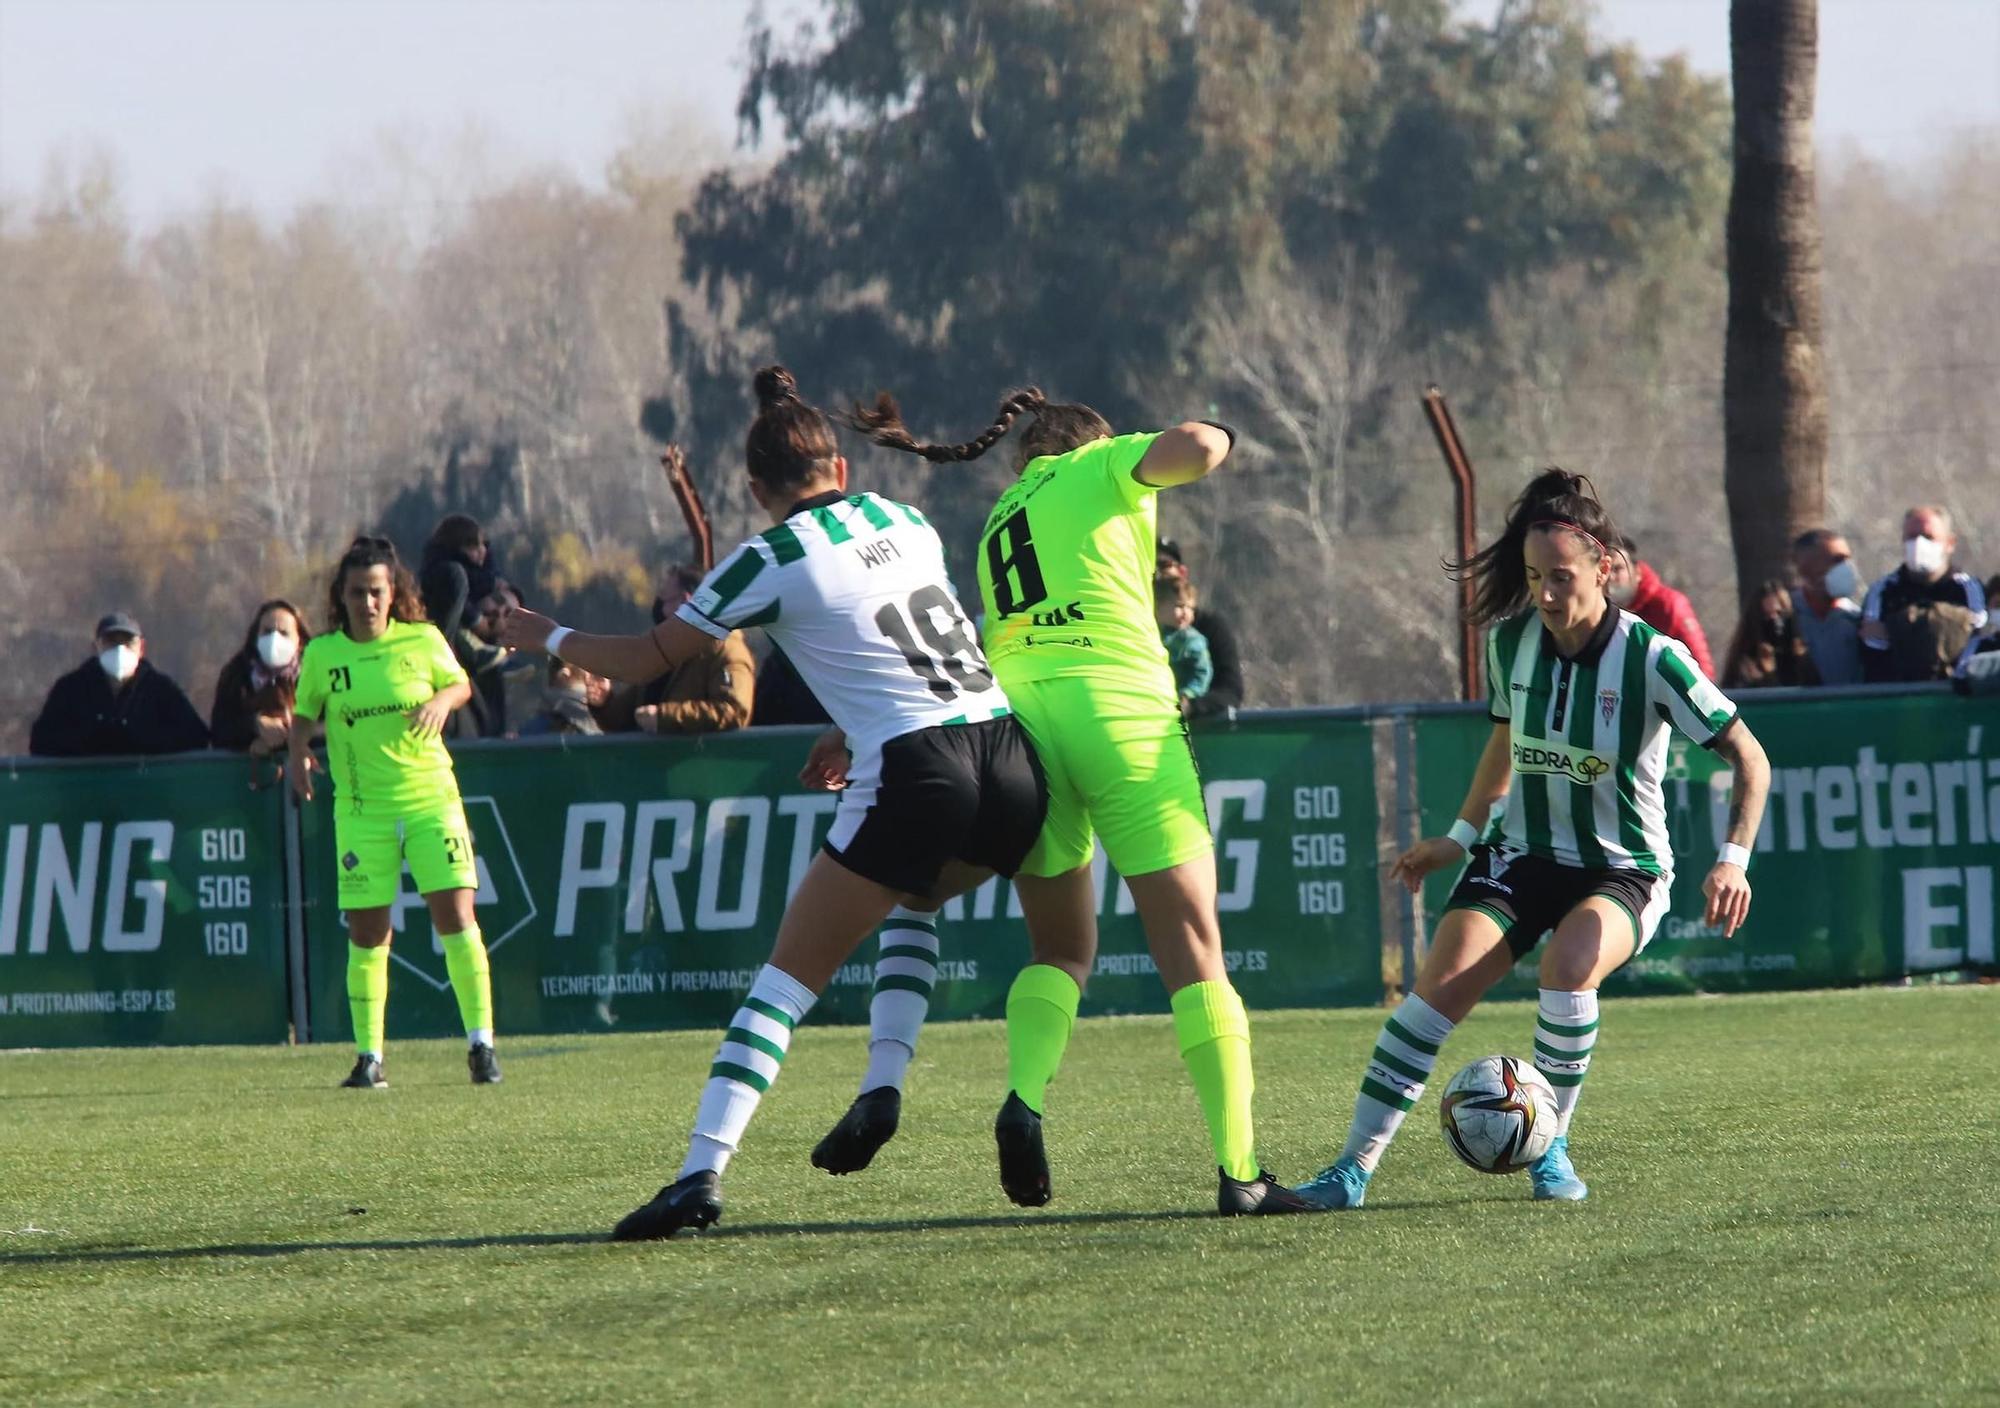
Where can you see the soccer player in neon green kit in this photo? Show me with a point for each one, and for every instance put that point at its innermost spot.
(384, 682)
(1066, 579)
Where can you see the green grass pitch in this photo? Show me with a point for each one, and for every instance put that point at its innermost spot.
(1793, 1200)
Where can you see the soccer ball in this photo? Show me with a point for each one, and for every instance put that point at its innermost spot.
(1499, 1114)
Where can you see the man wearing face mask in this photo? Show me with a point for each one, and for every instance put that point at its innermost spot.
(1635, 587)
(1917, 620)
(1826, 609)
(710, 693)
(116, 704)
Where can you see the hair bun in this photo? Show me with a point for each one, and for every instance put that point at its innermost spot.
(774, 385)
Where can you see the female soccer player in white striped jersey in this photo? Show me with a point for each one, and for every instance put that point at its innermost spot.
(1582, 696)
(943, 790)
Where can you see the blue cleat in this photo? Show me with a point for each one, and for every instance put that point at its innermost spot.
(1342, 1184)
(1554, 1176)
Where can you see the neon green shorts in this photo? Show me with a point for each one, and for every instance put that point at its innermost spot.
(370, 851)
(1119, 766)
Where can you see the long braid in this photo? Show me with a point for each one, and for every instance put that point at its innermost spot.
(884, 426)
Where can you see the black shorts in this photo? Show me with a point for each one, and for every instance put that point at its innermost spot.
(966, 792)
(1527, 896)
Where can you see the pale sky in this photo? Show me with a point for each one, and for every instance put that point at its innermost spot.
(275, 101)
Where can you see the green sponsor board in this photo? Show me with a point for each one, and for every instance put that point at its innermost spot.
(1876, 857)
(140, 903)
(638, 882)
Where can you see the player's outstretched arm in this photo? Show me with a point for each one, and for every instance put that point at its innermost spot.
(632, 659)
(1184, 454)
(1728, 886)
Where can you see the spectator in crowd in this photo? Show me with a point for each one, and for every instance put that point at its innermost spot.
(1767, 648)
(566, 701)
(711, 693)
(1978, 667)
(252, 712)
(116, 704)
(1187, 649)
(458, 585)
(1916, 621)
(1225, 691)
(1635, 587)
(1826, 609)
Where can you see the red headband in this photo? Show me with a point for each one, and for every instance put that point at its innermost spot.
(1576, 528)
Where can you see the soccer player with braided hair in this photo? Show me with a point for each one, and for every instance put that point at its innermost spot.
(1066, 577)
(942, 788)
(1582, 697)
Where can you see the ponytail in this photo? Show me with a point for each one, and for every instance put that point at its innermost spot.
(1056, 427)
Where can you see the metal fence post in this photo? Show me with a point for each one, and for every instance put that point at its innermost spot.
(295, 922)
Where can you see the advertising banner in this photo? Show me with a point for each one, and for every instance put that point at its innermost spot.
(141, 903)
(1876, 857)
(637, 882)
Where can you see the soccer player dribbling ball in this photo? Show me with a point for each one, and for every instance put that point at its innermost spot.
(1066, 577)
(943, 789)
(384, 682)
(1582, 697)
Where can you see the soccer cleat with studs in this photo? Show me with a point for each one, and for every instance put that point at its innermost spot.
(870, 1122)
(1554, 1178)
(366, 1075)
(1024, 1165)
(1262, 1196)
(484, 1065)
(1342, 1184)
(691, 1204)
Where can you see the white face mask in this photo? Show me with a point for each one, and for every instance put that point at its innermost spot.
(1924, 556)
(120, 662)
(276, 649)
(1842, 580)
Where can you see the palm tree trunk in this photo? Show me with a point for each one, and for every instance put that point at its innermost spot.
(1773, 383)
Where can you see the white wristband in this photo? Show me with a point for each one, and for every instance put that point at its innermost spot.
(554, 643)
(1733, 854)
(1463, 832)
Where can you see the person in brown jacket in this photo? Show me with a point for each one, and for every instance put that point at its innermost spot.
(709, 694)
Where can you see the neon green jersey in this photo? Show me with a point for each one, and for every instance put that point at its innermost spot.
(1066, 570)
(365, 691)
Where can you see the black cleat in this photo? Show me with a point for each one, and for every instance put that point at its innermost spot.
(1024, 1167)
(870, 1122)
(483, 1064)
(1262, 1196)
(366, 1075)
(694, 1202)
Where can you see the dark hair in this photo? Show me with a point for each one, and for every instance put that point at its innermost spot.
(1749, 636)
(684, 575)
(455, 532)
(1057, 428)
(364, 552)
(790, 443)
(276, 603)
(1174, 591)
(1554, 498)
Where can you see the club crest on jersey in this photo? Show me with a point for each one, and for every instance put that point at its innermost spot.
(1607, 703)
(1549, 756)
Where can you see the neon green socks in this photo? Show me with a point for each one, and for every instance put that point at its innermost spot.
(368, 995)
(1214, 1035)
(1041, 1009)
(471, 983)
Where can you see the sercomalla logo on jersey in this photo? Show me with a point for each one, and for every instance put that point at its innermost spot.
(1543, 756)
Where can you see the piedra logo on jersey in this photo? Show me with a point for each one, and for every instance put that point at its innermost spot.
(1544, 757)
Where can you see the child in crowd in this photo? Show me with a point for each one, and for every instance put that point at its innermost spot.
(1187, 649)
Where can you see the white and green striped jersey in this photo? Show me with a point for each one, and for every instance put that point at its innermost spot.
(1589, 738)
(853, 589)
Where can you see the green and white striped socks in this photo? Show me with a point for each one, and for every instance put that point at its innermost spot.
(905, 972)
(1565, 1034)
(745, 1066)
(1394, 1081)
